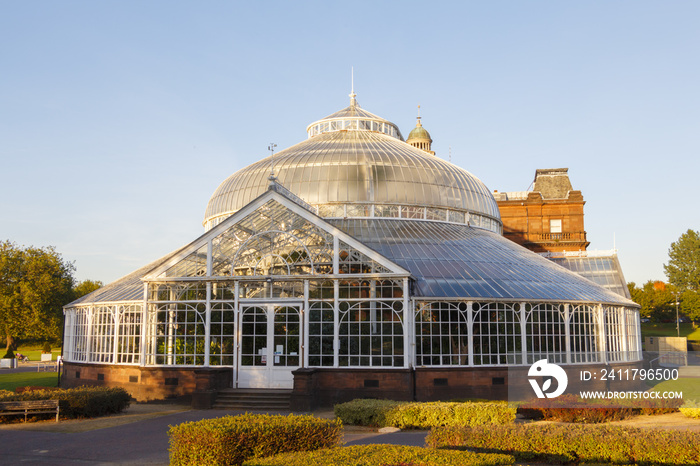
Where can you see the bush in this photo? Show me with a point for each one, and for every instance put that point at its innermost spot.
(365, 412)
(384, 413)
(571, 408)
(46, 348)
(9, 354)
(231, 440)
(78, 402)
(382, 455)
(691, 409)
(34, 388)
(580, 443)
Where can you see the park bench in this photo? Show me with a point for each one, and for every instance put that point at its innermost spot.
(14, 408)
(47, 367)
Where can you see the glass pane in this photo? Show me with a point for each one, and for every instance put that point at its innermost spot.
(286, 337)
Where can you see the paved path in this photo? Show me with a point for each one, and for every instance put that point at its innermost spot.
(137, 438)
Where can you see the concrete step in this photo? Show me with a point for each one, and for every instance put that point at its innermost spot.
(253, 399)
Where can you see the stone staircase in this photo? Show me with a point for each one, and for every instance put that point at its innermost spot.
(253, 399)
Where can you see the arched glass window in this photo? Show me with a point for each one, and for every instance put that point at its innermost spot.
(496, 334)
(442, 334)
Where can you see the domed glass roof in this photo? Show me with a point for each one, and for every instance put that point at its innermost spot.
(355, 158)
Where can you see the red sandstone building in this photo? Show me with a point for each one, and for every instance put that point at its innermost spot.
(547, 219)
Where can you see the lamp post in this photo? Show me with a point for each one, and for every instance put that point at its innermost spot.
(678, 325)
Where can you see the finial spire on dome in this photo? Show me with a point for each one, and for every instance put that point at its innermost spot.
(353, 100)
(271, 148)
(418, 123)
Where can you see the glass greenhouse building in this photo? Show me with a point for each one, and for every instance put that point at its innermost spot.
(364, 266)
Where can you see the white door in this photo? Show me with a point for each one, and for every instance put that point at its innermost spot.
(270, 345)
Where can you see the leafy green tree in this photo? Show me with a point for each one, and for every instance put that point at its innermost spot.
(656, 298)
(35, 284)
(683, 268)
(690, 305)
(86, 287)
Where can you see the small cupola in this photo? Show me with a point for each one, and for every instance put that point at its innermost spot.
(419, 137)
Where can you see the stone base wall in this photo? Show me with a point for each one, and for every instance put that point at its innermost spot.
(315, 388)
(448, 383)
(147, 383)
(320, 387)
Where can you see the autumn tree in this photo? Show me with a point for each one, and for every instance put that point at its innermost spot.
(35, 284)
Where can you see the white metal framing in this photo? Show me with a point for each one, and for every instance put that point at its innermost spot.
(592, 333)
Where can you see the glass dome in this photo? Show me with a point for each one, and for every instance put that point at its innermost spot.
(356, 164)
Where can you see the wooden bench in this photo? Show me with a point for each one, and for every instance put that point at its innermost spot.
(14, 408)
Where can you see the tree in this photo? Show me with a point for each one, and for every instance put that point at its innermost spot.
(690, 305)
(35, 284)
(656, 299)
(86, 287)
(683, 268)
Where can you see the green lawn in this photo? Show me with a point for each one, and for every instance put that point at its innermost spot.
(669, 330)
(34, 352)
(24, 379)
(689, 386)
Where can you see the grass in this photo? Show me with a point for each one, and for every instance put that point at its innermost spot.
(33, 351)
(689, 386)
(23, 379)
(650, 329)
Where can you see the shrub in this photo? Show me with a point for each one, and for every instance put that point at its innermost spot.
(232, 439)
(382, 455)
(9, 354)
(691, 409)
(78, 402)
(46, 348)
(385, 413)
(34, 388)
(571, 408)
(581, 443)
(365, 412)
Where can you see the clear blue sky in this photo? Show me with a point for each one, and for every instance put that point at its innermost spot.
(118, 119)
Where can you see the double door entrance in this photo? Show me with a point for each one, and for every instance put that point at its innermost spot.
(270, 345)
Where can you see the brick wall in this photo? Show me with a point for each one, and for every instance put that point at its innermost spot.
(147, 383)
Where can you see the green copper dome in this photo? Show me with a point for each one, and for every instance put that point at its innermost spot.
(418, 133)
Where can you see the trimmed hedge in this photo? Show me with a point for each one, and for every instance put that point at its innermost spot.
(362, 412)
(693, 413)
(78, 402)
(691, 410)
(230, 440)
(382, 455)
(579, 443)
(386, 413)
(571, 408)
